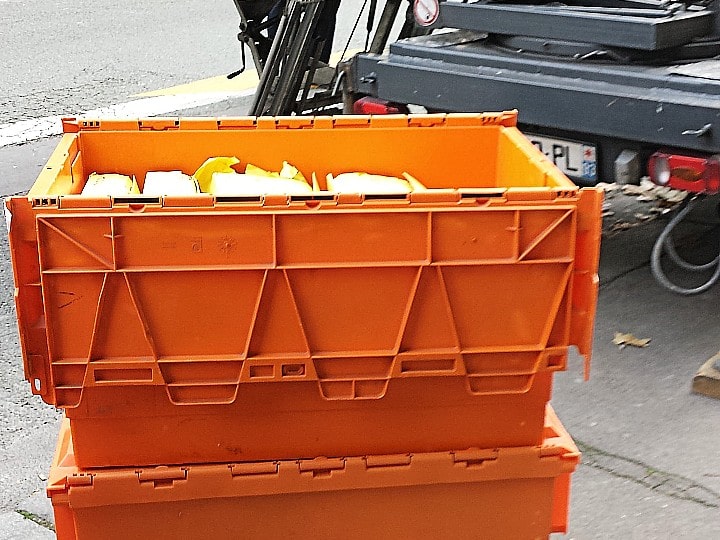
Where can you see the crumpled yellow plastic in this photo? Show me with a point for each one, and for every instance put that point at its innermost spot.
(288, 171)
(212, 165)
(256, 184)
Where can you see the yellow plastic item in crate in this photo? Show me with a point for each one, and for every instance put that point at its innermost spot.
(212, 165)
(235, 184)
(287, 171)
(258, 181)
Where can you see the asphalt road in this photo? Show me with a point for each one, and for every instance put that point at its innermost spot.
(651, 465)
(69, 56)
(65, 56)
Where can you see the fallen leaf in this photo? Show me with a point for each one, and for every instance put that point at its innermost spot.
(631, 189)
(623, 340)
(621, 226)
(607, 187)
(642, 217)
(675, 196)
(645, 198)
(647, 184)
(608, 213)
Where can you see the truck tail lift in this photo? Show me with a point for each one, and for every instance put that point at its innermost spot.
(616, 79)
(285, 43)
(284, 49)
(608, 89)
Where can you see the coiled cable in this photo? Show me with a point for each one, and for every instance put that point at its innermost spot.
(664, 243)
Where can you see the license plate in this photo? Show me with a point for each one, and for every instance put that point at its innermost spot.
(576, 159)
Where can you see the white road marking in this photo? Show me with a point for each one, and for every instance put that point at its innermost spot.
(163, 101)
(8, 215)
(47, 126)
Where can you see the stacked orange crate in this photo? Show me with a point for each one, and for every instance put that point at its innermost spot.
(498, 493)
(202, 329)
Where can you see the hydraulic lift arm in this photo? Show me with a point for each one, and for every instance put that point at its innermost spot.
(286, 49)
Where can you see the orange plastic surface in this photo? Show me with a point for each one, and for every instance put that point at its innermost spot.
(477, 285)
(502, 493)
(136, 425)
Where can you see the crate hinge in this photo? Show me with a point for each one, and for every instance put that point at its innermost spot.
(158, 124)
(321, 466)
(81, 479)
(474, 456)
(162, 475)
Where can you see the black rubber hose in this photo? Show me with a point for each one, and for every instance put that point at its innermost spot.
(664, 243)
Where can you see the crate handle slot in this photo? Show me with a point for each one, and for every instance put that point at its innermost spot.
(264, 371)
(136, 201)
(430, 366)
(115, 376)
(386, 196)
(254, 469)
(238, 199)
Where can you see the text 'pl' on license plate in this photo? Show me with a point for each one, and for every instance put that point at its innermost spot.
(575, 159)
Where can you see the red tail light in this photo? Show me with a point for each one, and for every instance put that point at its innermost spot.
(371, 105)
(694, 174)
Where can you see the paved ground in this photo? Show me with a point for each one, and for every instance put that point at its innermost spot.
(651, 465)
(62, 57)
(27, 426)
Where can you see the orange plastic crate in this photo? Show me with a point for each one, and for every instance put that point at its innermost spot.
(138, 425)
(503, 493)
(188, 329)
